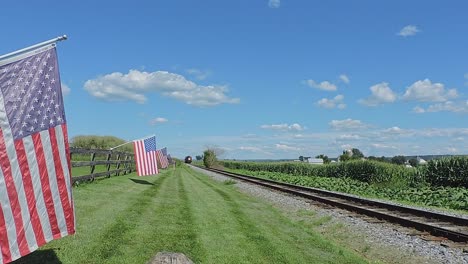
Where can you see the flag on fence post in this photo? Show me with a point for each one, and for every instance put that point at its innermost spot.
(169, 159)
(164, 152)
(145, 156)
(36, 203)
(161, 158)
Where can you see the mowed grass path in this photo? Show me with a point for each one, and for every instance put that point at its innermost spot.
(128, 219)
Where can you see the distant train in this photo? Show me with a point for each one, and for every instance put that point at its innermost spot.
(188, 159)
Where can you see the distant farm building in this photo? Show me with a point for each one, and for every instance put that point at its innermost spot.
(314, 161)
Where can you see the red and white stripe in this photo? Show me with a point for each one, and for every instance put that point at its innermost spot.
(36, 204)
(162, 159)
(145, 161)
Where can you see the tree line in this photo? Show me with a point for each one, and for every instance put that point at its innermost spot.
(100, 142)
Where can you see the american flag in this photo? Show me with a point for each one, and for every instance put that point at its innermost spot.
(145, 156)
(164, 152)
(36, 203)
(161, 158)
(169, 159)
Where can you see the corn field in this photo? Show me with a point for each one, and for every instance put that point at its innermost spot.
(444, 172)
(447, 172)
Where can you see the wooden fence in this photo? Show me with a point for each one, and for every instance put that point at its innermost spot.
(107, 163)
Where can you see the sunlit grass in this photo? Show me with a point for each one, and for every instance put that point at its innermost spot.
(128, 219)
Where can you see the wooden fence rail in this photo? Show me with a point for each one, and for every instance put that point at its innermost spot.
(123, 163)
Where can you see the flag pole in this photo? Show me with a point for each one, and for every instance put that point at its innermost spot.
(64, 37)
(121, 145)
(130, 141)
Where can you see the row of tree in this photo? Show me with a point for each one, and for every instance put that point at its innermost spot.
(100, 142)
(399, 160)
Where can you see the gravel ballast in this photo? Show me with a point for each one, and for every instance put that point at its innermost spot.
(384, 235)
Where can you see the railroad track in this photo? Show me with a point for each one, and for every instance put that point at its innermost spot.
(439, 225)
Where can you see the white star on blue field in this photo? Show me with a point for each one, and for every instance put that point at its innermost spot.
(266, 79)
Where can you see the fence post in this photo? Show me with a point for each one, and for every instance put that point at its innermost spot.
(127, 165)
(108, 162)
(131, 163)
(118, 165)
(93, 166)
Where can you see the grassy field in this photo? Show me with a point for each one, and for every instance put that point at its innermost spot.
(128, 219)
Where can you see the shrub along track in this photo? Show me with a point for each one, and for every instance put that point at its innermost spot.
(440, 225)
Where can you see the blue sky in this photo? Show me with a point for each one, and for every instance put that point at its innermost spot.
(259, 78)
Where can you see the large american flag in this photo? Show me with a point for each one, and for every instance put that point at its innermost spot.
(36, 203)
(145, 156)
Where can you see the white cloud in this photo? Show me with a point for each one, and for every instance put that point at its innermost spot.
(65, 89)
(199, 74)
(409, 30)
(274, 3)
(257, 150)
(449, 106)
(347, 124)
(452, 149)
(442, 132)
(337, 102)
(344, 78)
(134, 85)
(252, 149)
(296, 127)
(381, 93)
(286, 147)
(396, 131)
(382, 146)
(325, 85)
(261, 151)
(157, 120)
(419, 133)
(348, 137)
(426, 91)
(418, 110)
(250, 135)
(284, 127)
(275, 127)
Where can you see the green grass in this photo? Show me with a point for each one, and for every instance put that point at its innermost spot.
(128, 219)
(79, 171)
